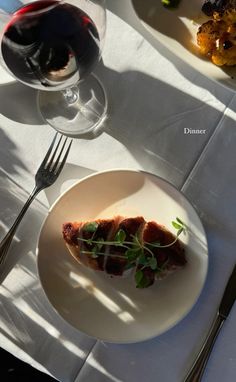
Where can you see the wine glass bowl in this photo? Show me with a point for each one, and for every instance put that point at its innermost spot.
(53, 46)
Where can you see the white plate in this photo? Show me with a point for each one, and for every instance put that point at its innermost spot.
(112, 309)
(176, 29)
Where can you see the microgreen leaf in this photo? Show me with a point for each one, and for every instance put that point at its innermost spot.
(183, 225)
(153, 263)
(90, 227)
(132, 254)
(120, 236)
(141, 280)
(180, 231)
(176, 225)
(142, 259)
(138, 277)
(170, 3)
(180, 221)
(136, 241)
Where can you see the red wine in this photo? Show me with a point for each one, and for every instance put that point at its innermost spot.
(50, 45)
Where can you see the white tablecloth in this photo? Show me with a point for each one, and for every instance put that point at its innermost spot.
(153, 96)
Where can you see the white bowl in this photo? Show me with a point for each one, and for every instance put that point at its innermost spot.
(113, 309)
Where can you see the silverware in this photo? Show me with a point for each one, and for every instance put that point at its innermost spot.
(46, 175)
(227, 301)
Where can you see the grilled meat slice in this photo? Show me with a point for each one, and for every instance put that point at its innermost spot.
(168, 258)
(132, 227)
(70, 233)
(85, 241)
(82, 250)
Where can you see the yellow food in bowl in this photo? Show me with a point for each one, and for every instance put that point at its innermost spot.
(216, 38)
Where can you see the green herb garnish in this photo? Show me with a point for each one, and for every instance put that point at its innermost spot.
(170, 3)
(138, 254)
(90, 227)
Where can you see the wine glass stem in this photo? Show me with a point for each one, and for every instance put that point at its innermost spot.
(71, 96)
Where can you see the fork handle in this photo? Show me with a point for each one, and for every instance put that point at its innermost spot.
(197, 370)
(6, 241)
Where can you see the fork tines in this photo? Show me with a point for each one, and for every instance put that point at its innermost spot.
(52, 158)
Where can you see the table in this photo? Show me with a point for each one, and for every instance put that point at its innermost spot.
(153, 97)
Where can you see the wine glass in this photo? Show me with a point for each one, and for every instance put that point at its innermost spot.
(53, 46)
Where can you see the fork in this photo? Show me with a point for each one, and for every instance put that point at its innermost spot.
(46, 175)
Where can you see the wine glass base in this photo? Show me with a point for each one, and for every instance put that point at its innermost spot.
(83, 113)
